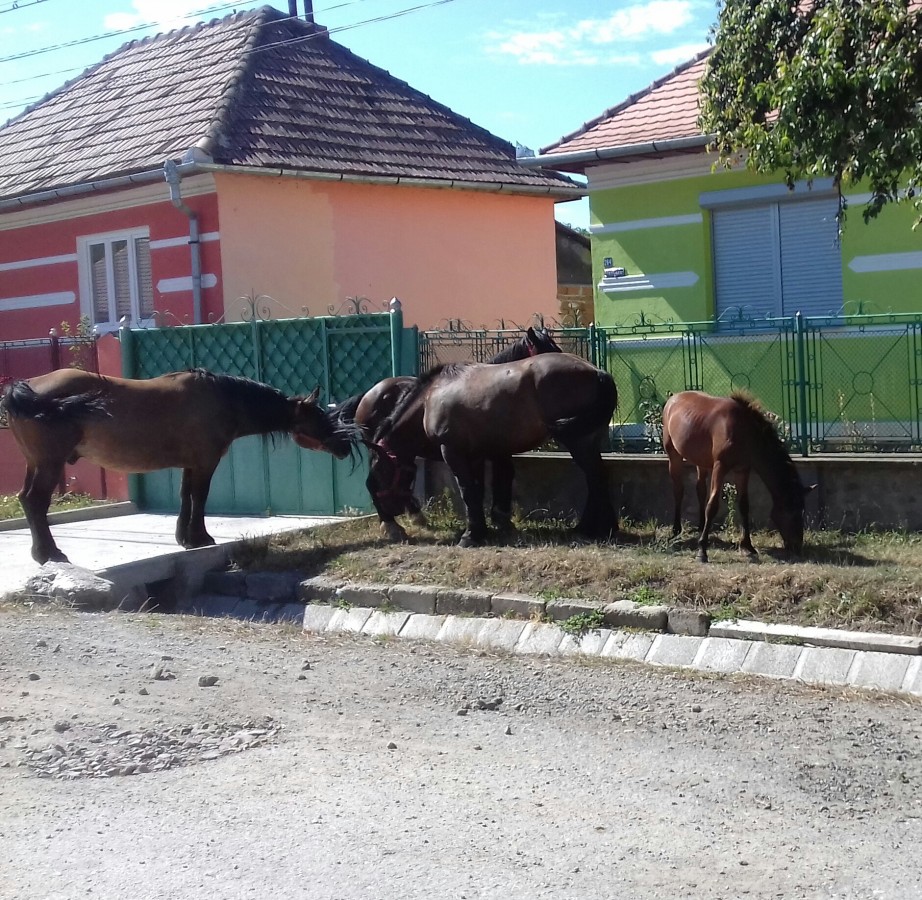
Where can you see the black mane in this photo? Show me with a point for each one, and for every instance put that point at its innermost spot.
(774, 452)
(446, 370)
(259, 406)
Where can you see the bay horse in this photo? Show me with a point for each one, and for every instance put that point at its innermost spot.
(729, 437)
(185, 420)
(468, 414)
(370, 409)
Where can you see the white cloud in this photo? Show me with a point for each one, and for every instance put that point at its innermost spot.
(674, 56)
(165, 13)
(584, 42)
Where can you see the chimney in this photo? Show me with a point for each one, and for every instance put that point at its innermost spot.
(308, 10)
(293, 8)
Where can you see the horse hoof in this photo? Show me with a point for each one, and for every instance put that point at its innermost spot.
(702, 557)
(394, 532)
(468, 540)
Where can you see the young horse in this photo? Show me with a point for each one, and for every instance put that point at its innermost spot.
(369, 410)
(185, 420)
(728, 437)
(473, 413)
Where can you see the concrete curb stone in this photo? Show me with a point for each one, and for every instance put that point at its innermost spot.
(590, 643)
(771, 660)
(627, 614)
(566, 608)
(385, 624)
(232, 583)
(522, 605)
(278, 586)
(458, 601)
(370, 595)
(674, 650)
(422, 627)
(687, 621)
(722, 655)
(539, 638)
(319, 589)
(414, 598)
(627, 645)
(824, 665)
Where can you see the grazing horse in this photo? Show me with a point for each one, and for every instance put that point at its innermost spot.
(185, 420)
(370, 409)
(467, 414)
(729, 437)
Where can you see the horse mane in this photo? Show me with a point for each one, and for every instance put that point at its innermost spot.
(774, 451)
(265, 408)
(445, 370)
(345, 410)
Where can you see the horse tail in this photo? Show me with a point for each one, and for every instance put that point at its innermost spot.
(595, 416)
(21, 401)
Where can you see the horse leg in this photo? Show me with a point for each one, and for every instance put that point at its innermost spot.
(35, 498)
(701, 489)
(710, 511)
(194, 494)
(469, 476)
(676, 472)
(742, 501)
(600, 518)
(501, 510)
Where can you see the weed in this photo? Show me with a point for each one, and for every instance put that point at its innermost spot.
(579, 624)
(646, 596)
(342, 603)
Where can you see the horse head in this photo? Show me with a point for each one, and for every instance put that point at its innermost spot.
(390, 481)
(539, 340)
(789, 519)
(314, 428)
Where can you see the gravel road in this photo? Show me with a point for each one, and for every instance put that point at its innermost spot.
(339, 768)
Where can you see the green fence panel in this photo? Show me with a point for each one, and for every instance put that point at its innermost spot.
(343, 355)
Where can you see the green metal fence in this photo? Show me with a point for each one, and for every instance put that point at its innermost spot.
(839, 384)
(343, 355)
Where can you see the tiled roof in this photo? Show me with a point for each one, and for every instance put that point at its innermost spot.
(253, 89)
(665, 111)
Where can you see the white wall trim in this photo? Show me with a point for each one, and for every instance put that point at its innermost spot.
(184, 283)
(648, 171)
(660, 281)
(638, 224)
(61, 298)
(40, 261)
(109, 201)
(183, 240)
(766, 193)
(887, 262)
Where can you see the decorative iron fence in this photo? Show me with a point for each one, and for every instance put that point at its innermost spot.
(849, 383)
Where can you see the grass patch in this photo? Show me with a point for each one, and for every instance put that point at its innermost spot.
(579, 624)
(866, 581)
(10, 507)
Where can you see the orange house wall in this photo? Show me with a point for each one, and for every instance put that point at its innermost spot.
(447, 254)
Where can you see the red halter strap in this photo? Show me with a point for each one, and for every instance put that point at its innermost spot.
(399, 470)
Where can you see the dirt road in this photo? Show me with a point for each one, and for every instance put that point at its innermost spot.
(336, 769)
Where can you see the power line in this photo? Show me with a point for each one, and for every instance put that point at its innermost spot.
(20, 4)
(275, 44)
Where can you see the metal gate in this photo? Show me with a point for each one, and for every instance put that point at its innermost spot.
(344, 355)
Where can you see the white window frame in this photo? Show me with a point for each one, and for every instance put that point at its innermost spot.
(85, 270)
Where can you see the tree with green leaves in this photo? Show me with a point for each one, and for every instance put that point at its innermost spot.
(820, 88)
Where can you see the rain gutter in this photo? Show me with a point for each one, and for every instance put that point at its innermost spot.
(174, 179)
(578, 157)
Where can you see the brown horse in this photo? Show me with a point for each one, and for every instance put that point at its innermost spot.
(472, 413)
(185, 420)
(370, 409)
(729, 437)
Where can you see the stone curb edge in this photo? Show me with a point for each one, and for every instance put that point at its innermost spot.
(622, 614)
(829, 666)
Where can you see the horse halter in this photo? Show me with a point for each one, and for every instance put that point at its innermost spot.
(400, 469)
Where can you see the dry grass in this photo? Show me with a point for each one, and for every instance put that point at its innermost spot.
(869, 581)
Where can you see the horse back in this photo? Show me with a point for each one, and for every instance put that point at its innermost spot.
(703, 429)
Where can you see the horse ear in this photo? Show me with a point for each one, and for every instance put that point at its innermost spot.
(530, 334)
(808, 488)
(314, 395)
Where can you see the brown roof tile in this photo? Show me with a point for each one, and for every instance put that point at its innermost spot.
(256, 89)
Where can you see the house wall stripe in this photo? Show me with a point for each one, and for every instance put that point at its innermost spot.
(175, 285)
(638, 224)
(61, 298)
(40, 261)
(887, 262)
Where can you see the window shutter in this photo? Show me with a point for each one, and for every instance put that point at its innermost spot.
(145, 283)
(811, 259)
(99, 283)
(745, 262)
(122, 274)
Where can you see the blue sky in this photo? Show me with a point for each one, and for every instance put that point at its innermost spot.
(530, 71)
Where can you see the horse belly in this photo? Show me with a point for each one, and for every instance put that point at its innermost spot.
(140, 452)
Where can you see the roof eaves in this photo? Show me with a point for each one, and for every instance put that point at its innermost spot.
(624, 104)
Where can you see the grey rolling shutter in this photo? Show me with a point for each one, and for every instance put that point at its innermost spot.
(811, 260)
(746, 272)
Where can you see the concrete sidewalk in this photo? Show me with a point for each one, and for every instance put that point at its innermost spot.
(120, 541)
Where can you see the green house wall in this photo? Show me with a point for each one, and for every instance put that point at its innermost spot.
(687, 248)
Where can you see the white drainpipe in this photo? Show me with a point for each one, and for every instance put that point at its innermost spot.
(173, 177)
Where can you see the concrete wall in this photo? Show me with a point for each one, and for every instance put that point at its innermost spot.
(853, 492)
